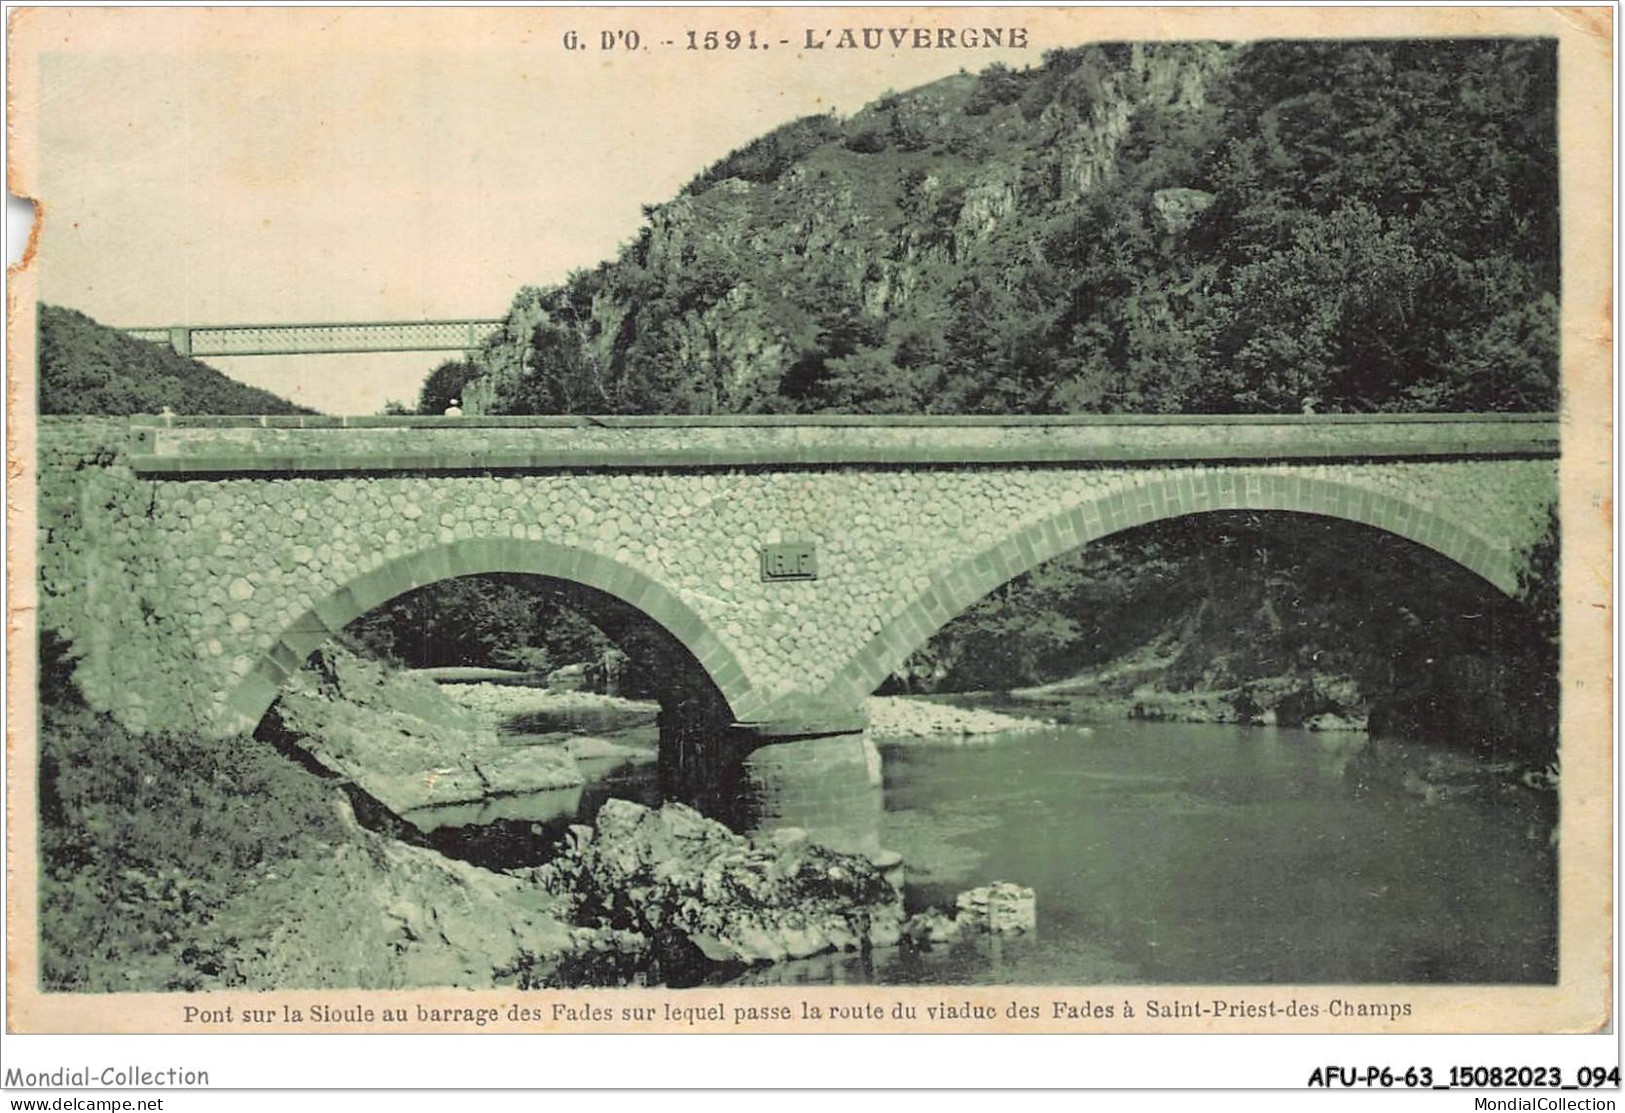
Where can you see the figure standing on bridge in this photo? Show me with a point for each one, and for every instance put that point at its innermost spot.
(455, 409)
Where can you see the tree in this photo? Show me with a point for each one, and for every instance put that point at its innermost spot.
(491, 621)
(445, 383)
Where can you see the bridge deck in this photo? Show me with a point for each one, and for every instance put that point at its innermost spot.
(311, 445)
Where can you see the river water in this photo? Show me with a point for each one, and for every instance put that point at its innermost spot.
(1202, 853)
(1185, 853)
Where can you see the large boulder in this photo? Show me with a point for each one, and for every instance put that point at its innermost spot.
(402, 740)
(375, 913)
(1002, 908)
(686, 881)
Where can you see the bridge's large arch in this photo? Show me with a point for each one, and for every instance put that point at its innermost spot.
(1158, 500)
(710, 753)
(601, 577)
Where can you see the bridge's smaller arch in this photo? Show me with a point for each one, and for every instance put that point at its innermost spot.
(1160, 499)
(247, 703)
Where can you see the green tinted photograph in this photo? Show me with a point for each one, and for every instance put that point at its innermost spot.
(1009, 512)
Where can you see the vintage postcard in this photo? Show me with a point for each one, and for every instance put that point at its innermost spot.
(804, 520)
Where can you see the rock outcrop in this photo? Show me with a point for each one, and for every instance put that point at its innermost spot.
(403, 741)
(1177, 209)
(662, 893)
(828, 239)
(376, 913)
(1002, 908)
(699, 892)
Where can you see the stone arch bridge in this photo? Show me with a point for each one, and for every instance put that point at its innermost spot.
(194, 563)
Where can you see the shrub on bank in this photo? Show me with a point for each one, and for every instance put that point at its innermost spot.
(143, 839)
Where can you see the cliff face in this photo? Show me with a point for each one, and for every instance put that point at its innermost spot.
(840, 240)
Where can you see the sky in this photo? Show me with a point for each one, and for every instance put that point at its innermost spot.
(262, 165)
(247, 165)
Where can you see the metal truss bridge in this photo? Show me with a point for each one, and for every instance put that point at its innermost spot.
(461, 335)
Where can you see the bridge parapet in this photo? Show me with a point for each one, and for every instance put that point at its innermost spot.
(178, 446)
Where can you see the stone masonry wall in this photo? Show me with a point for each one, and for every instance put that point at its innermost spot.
(76, 453)
(99, 585)
(201, 594)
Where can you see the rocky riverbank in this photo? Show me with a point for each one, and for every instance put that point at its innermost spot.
(1435, 774)
(505, 702)
(586, 725)
(890, 717)
(201, 864)
(402, 740)
(1315, 703)
(698, 893)
(1386, 755)
(683, 897)
(896, 718)
(646, 895)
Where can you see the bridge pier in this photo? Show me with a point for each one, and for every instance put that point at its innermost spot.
(813, 770)
(827, 784)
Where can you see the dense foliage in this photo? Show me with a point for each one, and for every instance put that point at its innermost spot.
(1184, 227)
(87, 368)
(1271, 611)
(146, 839)
(445, 385)
(495, 621)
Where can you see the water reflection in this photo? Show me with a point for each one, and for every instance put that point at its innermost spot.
(523, 828)
(1164, 853)
(1210, 853)
(534, 807)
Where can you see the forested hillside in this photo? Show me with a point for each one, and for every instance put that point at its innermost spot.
(1267, 227)
(1145, 228)
(87, 368)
